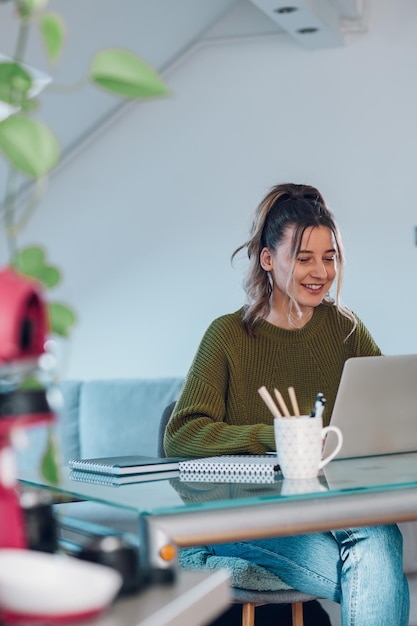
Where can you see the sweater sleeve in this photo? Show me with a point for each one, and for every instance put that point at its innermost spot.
(365, 344)
(200, 424)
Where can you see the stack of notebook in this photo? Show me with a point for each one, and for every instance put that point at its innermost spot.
(116, 471)
(120, 470)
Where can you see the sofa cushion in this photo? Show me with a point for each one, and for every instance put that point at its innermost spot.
(121, 417)
(65, 426)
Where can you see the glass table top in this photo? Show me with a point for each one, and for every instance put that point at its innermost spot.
(364, 474)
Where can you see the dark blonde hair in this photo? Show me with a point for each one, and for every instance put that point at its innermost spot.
(283, 206)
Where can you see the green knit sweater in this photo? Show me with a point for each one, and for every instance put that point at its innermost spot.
(219, 410)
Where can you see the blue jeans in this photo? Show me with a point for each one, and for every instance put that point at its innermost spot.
(360, 568)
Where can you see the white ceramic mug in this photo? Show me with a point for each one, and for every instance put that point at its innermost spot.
(299, 444)
(293, 486)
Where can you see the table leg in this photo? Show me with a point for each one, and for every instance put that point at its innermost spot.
(157, 550)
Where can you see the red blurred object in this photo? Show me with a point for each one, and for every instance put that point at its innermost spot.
(12, 526)
(23, 329)
(23, 317)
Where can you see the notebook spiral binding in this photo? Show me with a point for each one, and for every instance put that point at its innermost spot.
(231, 465)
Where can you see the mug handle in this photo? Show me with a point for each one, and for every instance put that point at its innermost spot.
(331, 456)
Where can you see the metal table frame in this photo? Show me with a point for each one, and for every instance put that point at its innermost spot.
(275, 518)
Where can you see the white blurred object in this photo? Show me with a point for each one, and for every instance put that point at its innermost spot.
(38, 585)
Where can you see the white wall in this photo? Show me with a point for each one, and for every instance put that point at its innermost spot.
(144, 219)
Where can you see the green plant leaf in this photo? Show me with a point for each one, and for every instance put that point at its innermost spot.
(15, 83)
(29, 105)
(31, 384)
(29, 145)
(48, 275)
(49, 462)
(126, 75)
(52, 30)
(28, 258)
(31, 261)
(62, 318)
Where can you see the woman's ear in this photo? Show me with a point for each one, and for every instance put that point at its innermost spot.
(265, 259)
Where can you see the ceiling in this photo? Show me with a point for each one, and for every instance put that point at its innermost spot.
(75, 115)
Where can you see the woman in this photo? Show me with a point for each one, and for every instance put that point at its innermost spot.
(291, 333)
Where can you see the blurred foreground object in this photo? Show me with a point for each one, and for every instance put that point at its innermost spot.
(23, 398)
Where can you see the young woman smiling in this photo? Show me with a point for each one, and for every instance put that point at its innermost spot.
(291, 332)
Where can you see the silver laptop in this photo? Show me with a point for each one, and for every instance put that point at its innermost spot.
(376, 406)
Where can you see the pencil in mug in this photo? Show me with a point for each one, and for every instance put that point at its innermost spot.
(267, 398)
(293, 398)
(281, 403)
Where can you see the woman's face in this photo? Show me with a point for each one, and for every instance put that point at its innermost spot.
(314, 271)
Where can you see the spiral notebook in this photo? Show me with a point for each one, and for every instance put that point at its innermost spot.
(220, 477)
(232, 468)
(117, 481)
(119, 465)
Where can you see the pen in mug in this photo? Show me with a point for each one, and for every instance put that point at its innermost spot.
(320, 408)
(318, 405)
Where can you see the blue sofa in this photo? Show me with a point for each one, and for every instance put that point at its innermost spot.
(106, 418)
